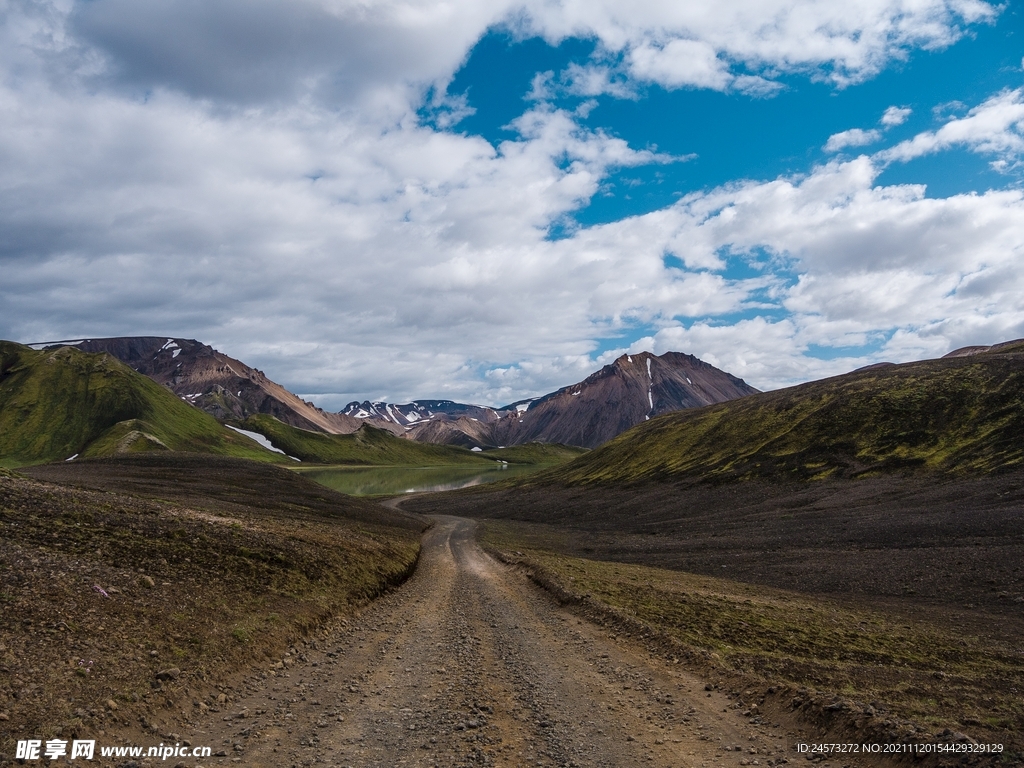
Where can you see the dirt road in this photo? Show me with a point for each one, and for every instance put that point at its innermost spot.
(470, 664)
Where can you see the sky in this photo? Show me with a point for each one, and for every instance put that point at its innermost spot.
(485, 201)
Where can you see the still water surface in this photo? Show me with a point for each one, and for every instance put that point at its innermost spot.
(373, 481)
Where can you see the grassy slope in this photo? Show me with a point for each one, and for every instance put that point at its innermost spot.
(932, 672)
(59, 403)
(955, 415)
(209, 576)
(536, 453)
(367, 446)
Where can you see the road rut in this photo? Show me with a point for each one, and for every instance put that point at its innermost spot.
(470, 664)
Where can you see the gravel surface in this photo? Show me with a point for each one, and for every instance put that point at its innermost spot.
(470, 664)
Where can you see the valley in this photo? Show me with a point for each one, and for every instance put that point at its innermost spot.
(518, 384)
(470, 664)
(835, 562)
(391, 480)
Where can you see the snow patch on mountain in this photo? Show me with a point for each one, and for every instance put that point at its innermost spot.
(650, 389)
(256, 436)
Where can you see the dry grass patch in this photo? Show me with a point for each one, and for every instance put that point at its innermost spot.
(101, 591)
(934, 672)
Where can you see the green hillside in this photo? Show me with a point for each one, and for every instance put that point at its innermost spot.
(952, 415)
(536, 453)
(368, 445)
(55, 404)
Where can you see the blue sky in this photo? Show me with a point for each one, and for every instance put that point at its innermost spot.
(730, 136)
(488, 201)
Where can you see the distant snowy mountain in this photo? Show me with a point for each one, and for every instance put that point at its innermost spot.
(419, 411)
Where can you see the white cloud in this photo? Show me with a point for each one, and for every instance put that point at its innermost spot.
(594, 80)
(385, 53)
(855, 137)
(894, 116)
(722, 45)
(680, 62)
(273, 51)
(996, 127)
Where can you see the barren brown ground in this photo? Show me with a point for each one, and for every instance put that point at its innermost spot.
(469, 663)
(102, 590)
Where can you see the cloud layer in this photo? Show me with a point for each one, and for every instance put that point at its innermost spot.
(260, 176)
(337, 50)
(994, 127)
(743, 44)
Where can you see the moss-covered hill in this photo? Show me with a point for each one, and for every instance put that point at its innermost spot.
(536, 453)
(367, 445)
(58, 403)
(952, 415)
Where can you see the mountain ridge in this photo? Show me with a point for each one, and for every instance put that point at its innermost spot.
(631, 389)
(418, 411)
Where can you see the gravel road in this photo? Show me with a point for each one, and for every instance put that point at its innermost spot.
(471, 664)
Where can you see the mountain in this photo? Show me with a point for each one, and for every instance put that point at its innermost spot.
(968, 351)
(632, 389)
(627, 392)
(465, 431)
(59, 403)
(221, 386)
(420, 411)
(956, 415)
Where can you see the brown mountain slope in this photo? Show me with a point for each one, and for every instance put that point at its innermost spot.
(463, 431)
(222, 386)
